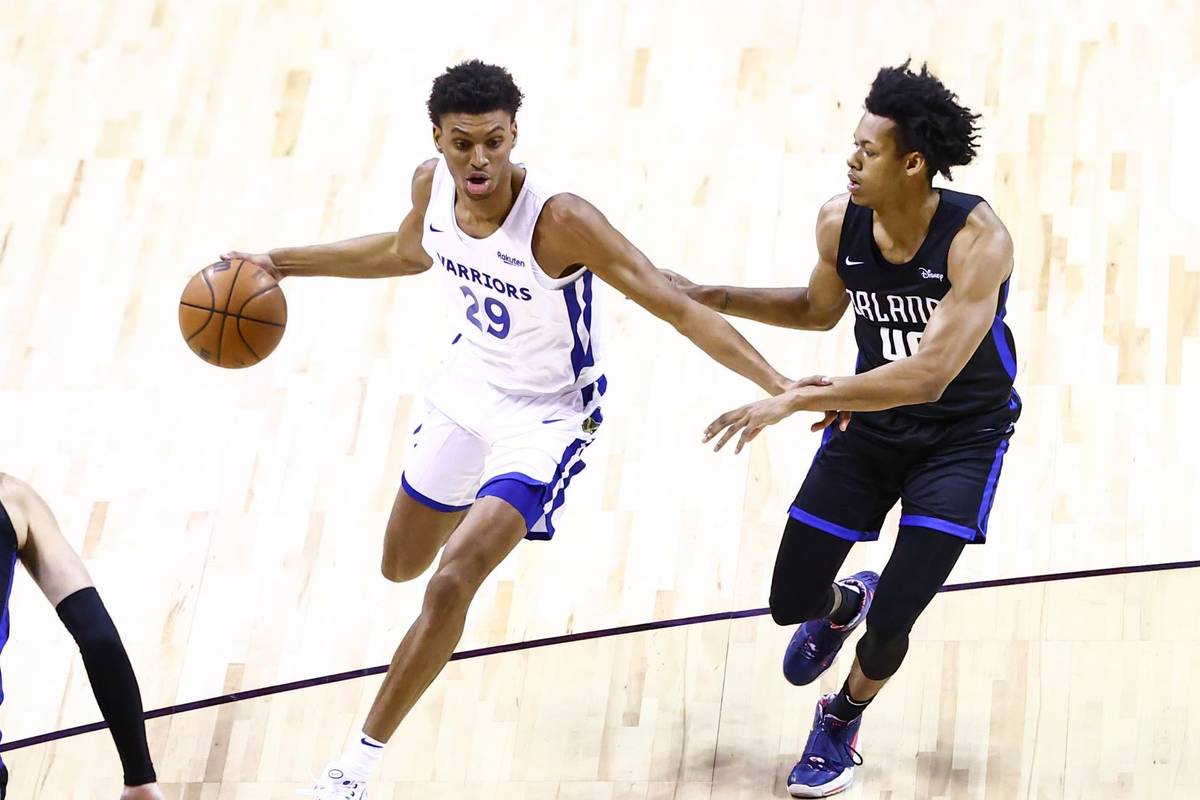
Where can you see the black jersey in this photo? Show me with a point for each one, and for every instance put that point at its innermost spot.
(892, 303)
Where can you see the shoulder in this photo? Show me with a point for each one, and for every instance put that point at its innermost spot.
(13, 489)
(983, 243)
(834, 209)
(982, 231)
(17, 497)
(567, 208)
(829, 222)
(567, 214)
(422, 182)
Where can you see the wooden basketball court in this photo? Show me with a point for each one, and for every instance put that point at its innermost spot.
(233, 519)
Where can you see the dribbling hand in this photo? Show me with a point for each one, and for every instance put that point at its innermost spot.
(258, 259)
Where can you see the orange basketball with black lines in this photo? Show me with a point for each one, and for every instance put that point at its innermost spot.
(232, 313)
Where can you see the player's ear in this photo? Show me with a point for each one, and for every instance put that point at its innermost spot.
(437, 136)
(914, 163)
(512, 128)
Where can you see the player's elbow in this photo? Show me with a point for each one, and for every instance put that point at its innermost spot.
(821, 318)
(931, 386)
(827, 322)
(681, 313)
(397, 266)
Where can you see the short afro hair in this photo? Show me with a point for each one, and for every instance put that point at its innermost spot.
(928, 117)
(473, 87)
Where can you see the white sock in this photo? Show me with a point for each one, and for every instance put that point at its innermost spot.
(360, 758)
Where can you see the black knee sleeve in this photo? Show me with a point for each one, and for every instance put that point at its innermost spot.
(800, 604)
(805, 569)
(112, 679)
(881, 651)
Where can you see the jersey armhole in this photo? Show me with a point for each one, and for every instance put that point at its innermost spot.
(539, 274)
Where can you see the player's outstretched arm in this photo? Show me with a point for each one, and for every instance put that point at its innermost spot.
(572, 231)
(980, 260)
(62, 577)
(816, 307)
(379, 255)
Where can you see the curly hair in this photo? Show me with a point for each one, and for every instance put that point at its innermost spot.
(928, 117)
(473, 87)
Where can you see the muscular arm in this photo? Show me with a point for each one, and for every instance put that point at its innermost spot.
(980, 260)
(380, 255)
(816, 307)
(572, 232)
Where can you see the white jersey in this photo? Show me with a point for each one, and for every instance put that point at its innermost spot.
(519, 329)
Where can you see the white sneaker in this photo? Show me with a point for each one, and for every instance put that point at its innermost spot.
(334, 785)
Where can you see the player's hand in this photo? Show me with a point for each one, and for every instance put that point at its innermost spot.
(752, 418)
(842, 418)
(260, 259)
(148, 791)
(679, 282)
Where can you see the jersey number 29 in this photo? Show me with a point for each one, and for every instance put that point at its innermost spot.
(499, 322)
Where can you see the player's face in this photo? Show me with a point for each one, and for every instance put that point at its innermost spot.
(878, 167)
(477, 147)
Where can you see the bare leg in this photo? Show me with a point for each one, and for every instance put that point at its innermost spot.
(489, 533)
(415, 533)
(863, 688)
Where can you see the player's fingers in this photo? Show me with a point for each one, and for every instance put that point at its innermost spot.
(734, 428)
(844, 419)
(717, 424)
(813, 380)
(748, 435)
(824, 422)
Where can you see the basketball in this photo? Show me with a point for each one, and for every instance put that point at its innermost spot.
(232, 314)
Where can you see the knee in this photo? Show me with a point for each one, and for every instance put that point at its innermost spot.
(450, 590)
(793, 606)
(881, 650)
(399, 570)
(405, 557)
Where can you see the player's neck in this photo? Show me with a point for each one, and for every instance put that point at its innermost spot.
(906, 217)
(490, 212)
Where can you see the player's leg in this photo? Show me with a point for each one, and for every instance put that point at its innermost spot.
(62, 577)
(917, 569)
(536, 448)
(488, 534)
(948, 497)
(441, 476)
(490, 531)
(844, 499)
(415, 533)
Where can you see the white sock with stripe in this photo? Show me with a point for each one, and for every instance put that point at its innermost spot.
(360, 758)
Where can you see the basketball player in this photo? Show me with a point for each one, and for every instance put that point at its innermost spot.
(519, 396)
(29, 532)
(926, 272)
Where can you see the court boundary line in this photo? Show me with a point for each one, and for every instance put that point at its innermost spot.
(568, 638)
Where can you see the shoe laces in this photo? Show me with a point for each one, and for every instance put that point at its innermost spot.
(834, 731)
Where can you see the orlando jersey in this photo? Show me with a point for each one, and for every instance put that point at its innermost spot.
(892, 304)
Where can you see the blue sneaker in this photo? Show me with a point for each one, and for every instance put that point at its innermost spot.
(827, 766)
(816, 643)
